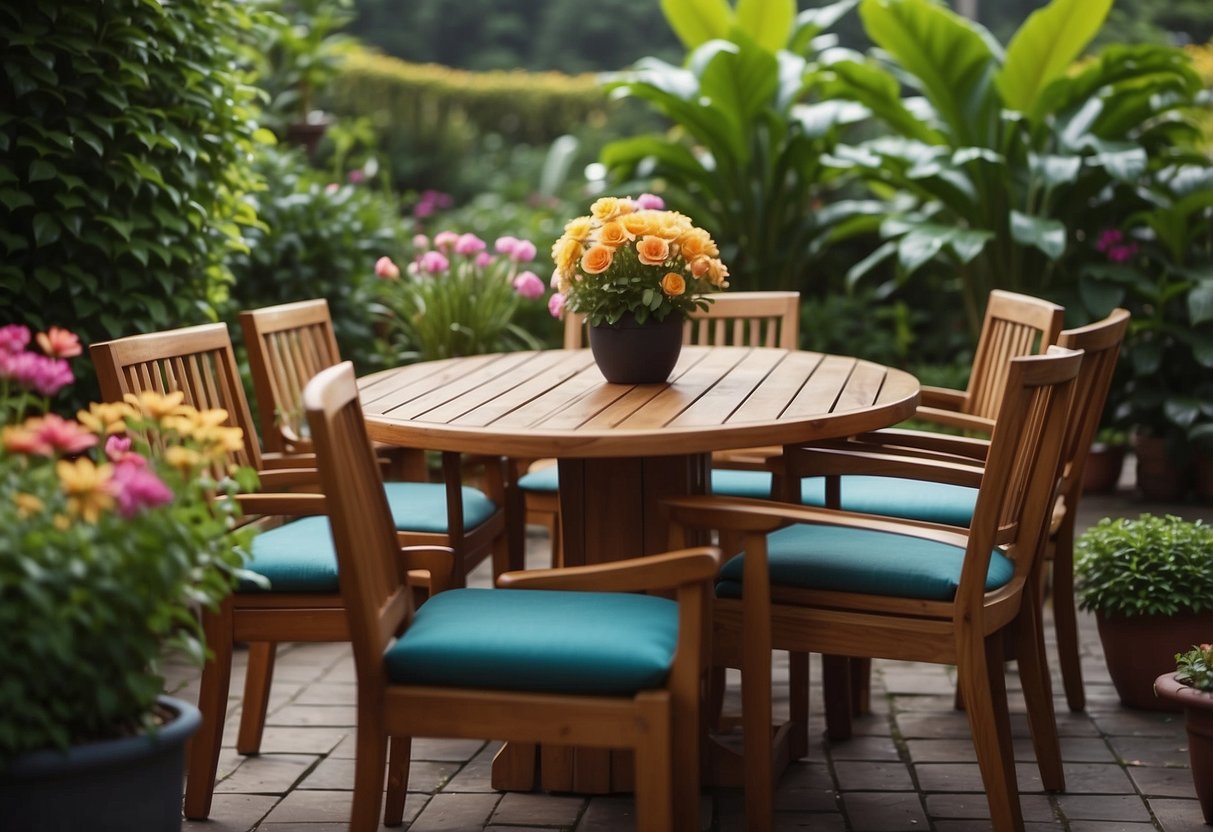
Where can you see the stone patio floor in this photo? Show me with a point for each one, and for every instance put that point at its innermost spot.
(910, 765)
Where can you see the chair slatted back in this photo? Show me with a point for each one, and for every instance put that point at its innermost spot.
(197, 361)
(1014, 325)
(749, 319)
(287, 345)
(1019, 484)
(373, 580)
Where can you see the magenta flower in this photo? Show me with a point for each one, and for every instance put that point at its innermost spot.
(44, 375)
(433, 262)
(357, 177)
(650, 201)
(505, 245)
(118, 449)
(14, 338)
(524, 252)
(386, 269)
(134, 488)
(445, 240)
(469, 244)
(529, 286)
(556, 305)
(483, 260)
(1108, 238)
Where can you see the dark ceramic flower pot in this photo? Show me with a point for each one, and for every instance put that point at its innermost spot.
(628, 352)
(1101, 473)
(132, 783)
(1160, 477)
(1197, 706)
(1138, 648)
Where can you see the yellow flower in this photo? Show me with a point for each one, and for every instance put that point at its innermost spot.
(718, 273)
(673, 284)
(219, 441)
(27, 504)
(609, 207)
(565, 253)
(184, 459)
(699, 266)
(614, 234)
(105, 418)
(640, 223)
(695, 242)
(157, 406)
(188, 422)
(597, 260)
(85, 483)
(578, 229)
(652, 250)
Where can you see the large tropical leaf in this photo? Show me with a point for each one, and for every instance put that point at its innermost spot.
(950, 59)
(879, 91)
(812, 22)
(767, 22)
(1045, 45)
(698, 21)
(1049, 236)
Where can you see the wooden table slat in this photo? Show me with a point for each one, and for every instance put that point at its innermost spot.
(818, 395)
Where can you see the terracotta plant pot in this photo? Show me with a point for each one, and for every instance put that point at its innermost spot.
(1197, 706)
(1138, 648)
(1202, 476)
(1101, 473)
(628, 352)
(1161, 478)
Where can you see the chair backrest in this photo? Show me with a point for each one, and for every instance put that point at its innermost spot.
(1019, 484)
(1014, 325)
(198, 361)
(751, 319)
(287, 345)
(373, 579)
(1100, 343)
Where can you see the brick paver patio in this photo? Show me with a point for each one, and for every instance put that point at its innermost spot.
(910, 765)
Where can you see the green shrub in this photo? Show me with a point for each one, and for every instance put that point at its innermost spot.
(1148, 566)
(122, 145)
(315, 239)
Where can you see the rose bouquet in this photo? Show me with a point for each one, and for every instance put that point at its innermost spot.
(630, 257)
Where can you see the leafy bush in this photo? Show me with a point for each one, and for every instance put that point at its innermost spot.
(1148, 566)
(316, 238)
(123, 141)
(1195, 667)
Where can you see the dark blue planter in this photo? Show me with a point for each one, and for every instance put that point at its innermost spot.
(122, 785)
(628, 352)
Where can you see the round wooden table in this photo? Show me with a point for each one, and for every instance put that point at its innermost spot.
(622, 448)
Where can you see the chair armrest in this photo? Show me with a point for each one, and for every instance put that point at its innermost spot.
(961, 446)
(956, 420)
(274, 460)
(283, 479)
(664, 571)
(277, 503)
(882, 462)
(437, 560)
(738, 514)
(749, 459)
(941, 397)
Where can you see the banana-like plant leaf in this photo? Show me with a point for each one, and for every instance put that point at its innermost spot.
(1200, 303)
(626, 155)
(967, 244)
(1100, 297)
(1045, 45)
(741, 80)
(767, 22)
(947, 57)
(919, 246)
(1125, 165)
(1047, 235)
(817, 120)
(879, 91)
(812, 22)
(1052, 169)
(1182, 410)
(698, 21)
(1202, 347)
(884, 252)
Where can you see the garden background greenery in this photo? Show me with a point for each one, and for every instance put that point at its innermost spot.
(169, 164)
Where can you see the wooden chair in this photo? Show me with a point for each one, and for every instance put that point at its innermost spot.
(849, 584)
(600, 667)
(297, 557)
(760, 319)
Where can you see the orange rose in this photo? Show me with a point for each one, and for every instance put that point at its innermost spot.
(699, 266)
(565, 253)
(673, 284)
(597, 259)
(614, 234)
(696, 242)
(718, 273)
(652, 250)
(639, 223)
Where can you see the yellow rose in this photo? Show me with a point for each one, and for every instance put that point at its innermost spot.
(614, 234)
(597, 259)
(673, 284)
(699, 266)
(640, 223)
(607, 208)
(565, 253)
(652, 250)
(694, 243)
(718, 273)
(579, 228)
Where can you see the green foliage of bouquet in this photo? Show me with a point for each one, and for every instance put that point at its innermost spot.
(1195, 667)
(105, 548)
(630, 257)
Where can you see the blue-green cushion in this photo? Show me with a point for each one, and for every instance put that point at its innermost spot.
(862, 560)
(544, 480)
(726, 482)
(933, 502)
(608, 643)
(299, 556)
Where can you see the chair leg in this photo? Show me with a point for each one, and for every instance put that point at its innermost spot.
(1038, 693)
(399, 749)
(714, 698)
(371, 754)
(836, 694)
(556, 534)
(257, 680)
(798, 704)
(654, 772)
(1065, 618)
(756, 720)
(203, 759)
(686, 732)
(983, 685)
(861, 686)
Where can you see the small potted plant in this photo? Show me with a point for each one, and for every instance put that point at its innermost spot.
(1190, 687)
(635, 271)
(1105, 460)
(1150, 583)
(105, 548)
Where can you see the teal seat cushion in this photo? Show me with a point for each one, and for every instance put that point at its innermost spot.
(299, 556)
(726, 482)
(605, 643)
(933, 502)
(862, 560)
(543, 480)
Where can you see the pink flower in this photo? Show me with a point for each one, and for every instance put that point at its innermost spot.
(556, 305)
(469, 244)
(63, 435)
(524, 252)
(505, 245)
(1122, 253)
(59, 343)
(45, 375)
(421, 241)
(134, 487)
(13, 338)
(529, 286)
(357, 176)
(1108, 238)
(483, 259)
(650, 201)
(445, 240)
(118, 449)
(332, 188)
(433, 262)
(386, 269)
